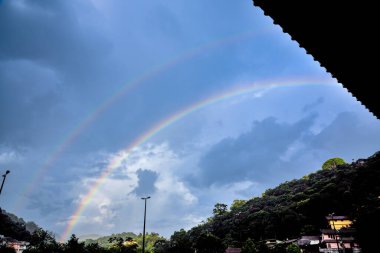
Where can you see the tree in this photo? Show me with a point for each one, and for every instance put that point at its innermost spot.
(293, 248)
(237, 203)
(161, 246)
(129, 245)
(180, 242)
(368, 217)
(119, 245)
(43, 241)
(262, 247)
(150, 240)
(229, 241)
(94, 248)
(209, 243)
(333, 163)
(249, 247)
(74, 246)
(12, 226)
(219, 209)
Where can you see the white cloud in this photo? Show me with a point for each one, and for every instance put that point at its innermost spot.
(115, 205)
(8, 155)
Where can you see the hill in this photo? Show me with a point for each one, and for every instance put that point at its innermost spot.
(83, 238)
(299, 207)
(103, 241)
(15, 227)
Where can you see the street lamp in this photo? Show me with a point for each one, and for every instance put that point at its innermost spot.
(143, 244)
(4, 176)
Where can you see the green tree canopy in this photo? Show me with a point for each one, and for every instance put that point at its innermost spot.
(219, 209)
(74, 246)
(333, 163)
(180, 242)
(209, 243)
(249, 247)
(161, 246)
(237, 203)
(43, 241)
(293, 248)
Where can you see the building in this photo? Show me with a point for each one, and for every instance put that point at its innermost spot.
(339, 237)
(18, 246)
(309, 243)
(338, 222)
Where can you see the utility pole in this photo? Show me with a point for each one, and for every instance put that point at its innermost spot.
(4, 176)
(143, 246)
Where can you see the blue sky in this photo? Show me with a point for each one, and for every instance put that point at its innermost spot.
(60, 61)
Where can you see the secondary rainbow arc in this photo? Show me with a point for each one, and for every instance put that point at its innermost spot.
(170, 120)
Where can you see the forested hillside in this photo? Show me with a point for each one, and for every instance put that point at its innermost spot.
(108, 241)
(15, 227)
(299, 207)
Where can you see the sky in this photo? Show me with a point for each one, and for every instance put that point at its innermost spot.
(189, 102)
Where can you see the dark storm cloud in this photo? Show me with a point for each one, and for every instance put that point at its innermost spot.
(147, 179)
(26, 100)
(48, 58)
(260, 154)
(48, 205)
(253, 155)
(48, 32)
(351, 135)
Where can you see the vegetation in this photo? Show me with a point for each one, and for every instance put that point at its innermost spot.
(249, 247)
(294, 208)
(293, 248)
(105, 241)
(299, 207)
(237, 204)
(15, 227)
(333, 163)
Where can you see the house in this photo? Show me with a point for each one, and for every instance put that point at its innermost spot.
(338, 222)
(18, 246)
(309, 243)
(339, 237)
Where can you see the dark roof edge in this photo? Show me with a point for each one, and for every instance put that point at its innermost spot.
(320, 64)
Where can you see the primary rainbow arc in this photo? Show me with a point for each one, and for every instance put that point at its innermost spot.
(116, 162)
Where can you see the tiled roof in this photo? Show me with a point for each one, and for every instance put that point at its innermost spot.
(337, 218)
(339, 240)
(339, 35)
(343, 231)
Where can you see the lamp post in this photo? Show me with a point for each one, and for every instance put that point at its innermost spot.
(4, 176)
(336, 237)
(143, 244)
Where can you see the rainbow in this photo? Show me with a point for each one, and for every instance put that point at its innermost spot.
(116, 162)
(131, 85)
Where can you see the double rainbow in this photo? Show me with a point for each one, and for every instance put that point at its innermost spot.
(128, 87)
(159, 126)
